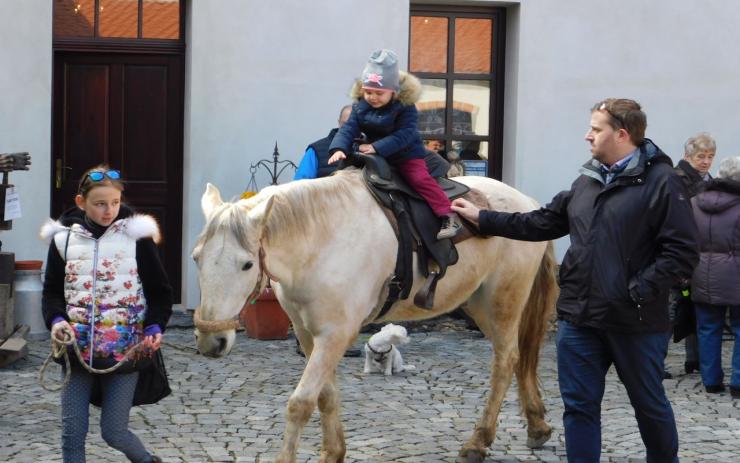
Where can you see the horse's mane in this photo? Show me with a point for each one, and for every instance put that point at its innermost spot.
(294, 211)
(307, 206)
(230, 216)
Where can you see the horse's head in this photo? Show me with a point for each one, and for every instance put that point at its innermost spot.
(229, 270)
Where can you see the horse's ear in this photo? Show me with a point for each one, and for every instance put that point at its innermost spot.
(210, 200)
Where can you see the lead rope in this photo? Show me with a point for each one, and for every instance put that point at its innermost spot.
(59, 349)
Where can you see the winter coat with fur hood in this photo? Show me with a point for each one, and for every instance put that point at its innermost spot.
(716, 280)
(107, 282)
(391, 129)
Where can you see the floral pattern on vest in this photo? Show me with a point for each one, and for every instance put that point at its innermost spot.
(105, 298)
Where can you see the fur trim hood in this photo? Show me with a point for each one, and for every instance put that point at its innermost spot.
(409, 94)
(136, 226)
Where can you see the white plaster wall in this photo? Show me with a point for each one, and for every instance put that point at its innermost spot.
(264, 71)
(261, 72)
(678, 58)
(25, 116)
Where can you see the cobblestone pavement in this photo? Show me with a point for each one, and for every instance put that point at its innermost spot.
(232, 409)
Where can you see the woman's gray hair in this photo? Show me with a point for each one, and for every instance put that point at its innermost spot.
(699, 142)
(730, 168)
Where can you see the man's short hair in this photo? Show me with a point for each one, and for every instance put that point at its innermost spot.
(344, 108)
(624, 114)
(699, 143)
(730, 168)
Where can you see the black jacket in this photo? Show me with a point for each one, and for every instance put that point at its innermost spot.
(631, 240)
(321, 148)
(691, 179)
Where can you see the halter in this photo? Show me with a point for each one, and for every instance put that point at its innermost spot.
(382, 355)
(212, 326)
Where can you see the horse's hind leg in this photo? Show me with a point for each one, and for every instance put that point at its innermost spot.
(500, 324)
(333, 447)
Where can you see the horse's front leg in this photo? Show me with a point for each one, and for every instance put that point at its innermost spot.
(319, 371)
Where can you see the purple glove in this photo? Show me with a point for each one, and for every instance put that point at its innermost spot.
(152, 330)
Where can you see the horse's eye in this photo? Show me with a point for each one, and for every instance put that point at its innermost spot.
(248, 265)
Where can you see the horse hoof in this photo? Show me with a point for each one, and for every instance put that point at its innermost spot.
(538, 440)
(471, 456)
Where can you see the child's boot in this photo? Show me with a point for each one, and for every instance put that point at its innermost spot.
(450, 226)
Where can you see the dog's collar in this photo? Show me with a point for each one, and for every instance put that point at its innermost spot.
(379, 355)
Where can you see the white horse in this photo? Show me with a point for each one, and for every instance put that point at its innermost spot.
(331, 250)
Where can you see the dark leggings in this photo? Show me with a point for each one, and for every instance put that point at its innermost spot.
(117, 397)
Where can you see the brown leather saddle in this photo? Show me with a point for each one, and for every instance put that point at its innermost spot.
(416, 228)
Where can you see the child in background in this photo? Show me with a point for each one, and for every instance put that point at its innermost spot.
(104, 283)
(386, 114)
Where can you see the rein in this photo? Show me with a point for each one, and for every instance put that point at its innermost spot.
(59, 349)
(213, 326)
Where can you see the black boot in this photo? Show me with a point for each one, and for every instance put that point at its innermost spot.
(691, 367)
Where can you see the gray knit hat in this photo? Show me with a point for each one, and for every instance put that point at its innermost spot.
(381, 71)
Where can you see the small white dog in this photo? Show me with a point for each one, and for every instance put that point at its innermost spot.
(381, 353)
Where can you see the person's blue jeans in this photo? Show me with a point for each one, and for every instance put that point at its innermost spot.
(710, 320)
(584, 357)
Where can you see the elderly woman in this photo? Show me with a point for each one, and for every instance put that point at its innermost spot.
(697, 159)
(693, 169)
(715, 284)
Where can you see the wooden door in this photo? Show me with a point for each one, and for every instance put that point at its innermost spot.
(125, 110)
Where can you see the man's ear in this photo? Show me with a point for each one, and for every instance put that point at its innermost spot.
(623, 135)
(210, 200)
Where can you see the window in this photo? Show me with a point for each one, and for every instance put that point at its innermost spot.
(118, 19)
(457, 53)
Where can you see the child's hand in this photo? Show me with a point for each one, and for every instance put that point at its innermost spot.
(366, 148)
(337, 156)
(59, 330)
(152, 343)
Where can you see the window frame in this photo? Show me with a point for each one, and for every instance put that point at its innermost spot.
(121, 44)
(495, 77)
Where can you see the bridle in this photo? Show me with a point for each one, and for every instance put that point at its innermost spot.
(213, 326)
(379, 356)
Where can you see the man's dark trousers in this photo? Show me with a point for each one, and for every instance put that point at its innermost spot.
(584, 357)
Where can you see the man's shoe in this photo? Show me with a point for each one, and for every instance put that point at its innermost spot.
(715, 389)
(691, 367)
(735, 392)
(156, 459)
(450, 226)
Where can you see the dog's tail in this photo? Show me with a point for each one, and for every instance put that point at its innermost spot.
(397, 334)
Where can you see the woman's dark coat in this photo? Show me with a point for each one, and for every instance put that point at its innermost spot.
(716, 280)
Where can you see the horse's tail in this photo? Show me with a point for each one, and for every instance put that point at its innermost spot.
(535, 318)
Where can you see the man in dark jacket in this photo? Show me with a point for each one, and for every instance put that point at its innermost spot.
(632, 236)
(699, 152)
(314, 163)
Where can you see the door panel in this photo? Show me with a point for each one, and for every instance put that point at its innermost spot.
(124, 110)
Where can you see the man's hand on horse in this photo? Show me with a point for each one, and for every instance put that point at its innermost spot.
(366, 148)
(466, 209)
(337, 156)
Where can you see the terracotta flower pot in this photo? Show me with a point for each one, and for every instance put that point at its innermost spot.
(265, 319)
